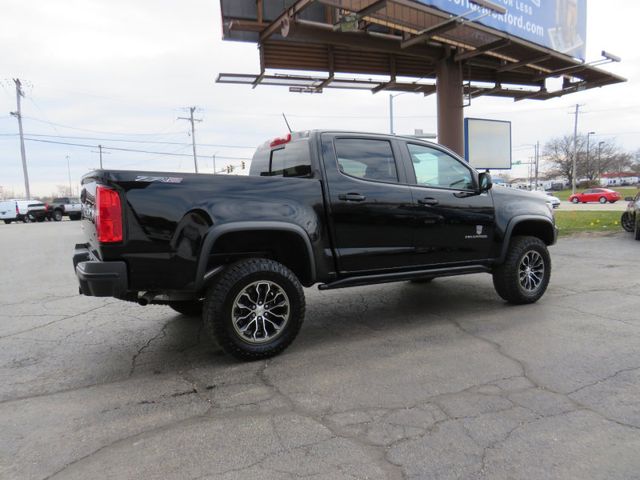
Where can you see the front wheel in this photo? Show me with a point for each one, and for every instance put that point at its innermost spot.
(27, 218)
(57, 215)
(627, 222)
(524, 275)
(255, 309)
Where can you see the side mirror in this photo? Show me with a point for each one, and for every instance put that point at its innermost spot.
(628, 199)
(484, 182)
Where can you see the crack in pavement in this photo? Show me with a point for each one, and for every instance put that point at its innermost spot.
(161, 334)
(526, 374)
(68, 317)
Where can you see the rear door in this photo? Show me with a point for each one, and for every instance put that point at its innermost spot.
(369, 202)
(453, 223)
(588, 196)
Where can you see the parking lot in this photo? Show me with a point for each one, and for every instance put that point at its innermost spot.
(442, 380)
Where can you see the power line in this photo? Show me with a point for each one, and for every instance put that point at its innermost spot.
(123, 140)
(98, 131)
(120, 149)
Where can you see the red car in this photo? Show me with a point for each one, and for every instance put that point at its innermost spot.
(602, 195)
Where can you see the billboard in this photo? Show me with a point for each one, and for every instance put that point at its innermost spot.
(487, 143)
(560, 25)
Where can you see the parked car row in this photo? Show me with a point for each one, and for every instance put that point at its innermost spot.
(16, 210)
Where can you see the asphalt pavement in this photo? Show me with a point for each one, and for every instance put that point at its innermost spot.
(433, 381)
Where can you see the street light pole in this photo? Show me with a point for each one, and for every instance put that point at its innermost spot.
(600, 160)
(69, 171)
(391, 97)
(588, 137)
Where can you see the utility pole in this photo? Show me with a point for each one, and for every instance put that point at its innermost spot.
(575, 149)
(537, 165)
(100, 150)
(214, 163)
(193, 133)
(100, 147)
(69, 171)
(18, 115)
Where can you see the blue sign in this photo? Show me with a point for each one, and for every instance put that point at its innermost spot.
(560, 25)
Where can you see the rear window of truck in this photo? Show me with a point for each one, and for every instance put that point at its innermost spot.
(292, 160)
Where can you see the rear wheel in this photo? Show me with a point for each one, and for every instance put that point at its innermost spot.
(189, 309)
(57, 215)
(575, 200)
(524, 275)
(627, 222)
(637, 233)
(603, 200)
(255, 309)
(8, 221)
(27, 218)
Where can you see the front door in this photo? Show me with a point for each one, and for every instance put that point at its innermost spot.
(453, 223)
(370, 203)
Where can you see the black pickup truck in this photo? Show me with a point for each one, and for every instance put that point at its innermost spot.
(337, 209)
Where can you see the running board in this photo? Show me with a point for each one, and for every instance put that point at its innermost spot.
(400, 276)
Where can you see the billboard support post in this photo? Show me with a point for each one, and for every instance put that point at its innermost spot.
(449, 90)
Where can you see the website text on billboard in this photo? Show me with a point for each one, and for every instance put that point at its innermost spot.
(557, 24)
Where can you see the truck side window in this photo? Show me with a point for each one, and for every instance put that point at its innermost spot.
(291, 161)
(366, 158)
(435, 168)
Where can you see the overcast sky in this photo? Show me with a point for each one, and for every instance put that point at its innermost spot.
(124, 70)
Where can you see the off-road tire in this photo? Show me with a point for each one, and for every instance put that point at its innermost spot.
(188, 308)
(57, 215)
(627, 223)
(220, 297)
(506, 278)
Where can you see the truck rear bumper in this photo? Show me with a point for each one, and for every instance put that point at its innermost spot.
(97, 278)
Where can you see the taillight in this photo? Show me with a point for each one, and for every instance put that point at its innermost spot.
(108, 215)
(281, 140)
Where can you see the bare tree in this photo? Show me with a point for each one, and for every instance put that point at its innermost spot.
(602, 157)
(558, 153)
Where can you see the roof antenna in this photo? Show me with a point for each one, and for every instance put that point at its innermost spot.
(287, 122)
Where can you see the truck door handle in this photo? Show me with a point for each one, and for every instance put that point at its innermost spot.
(428, 201)
(352, 197)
